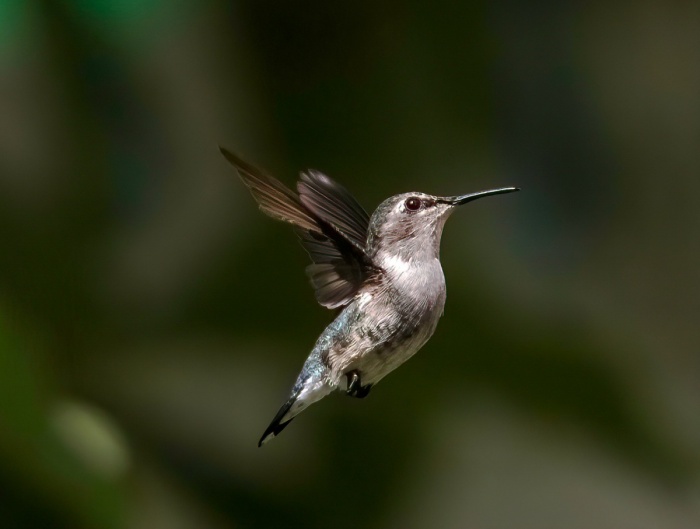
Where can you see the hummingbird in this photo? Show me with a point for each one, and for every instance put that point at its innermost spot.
(382, 273)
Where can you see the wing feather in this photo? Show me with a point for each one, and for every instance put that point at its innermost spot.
(334, 204)
(273, 197)
(331, 225)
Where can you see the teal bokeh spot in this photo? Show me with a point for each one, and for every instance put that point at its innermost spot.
(118, 11)
(15, 23)
(123, 17)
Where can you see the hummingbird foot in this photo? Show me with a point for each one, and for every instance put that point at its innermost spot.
(355, 387)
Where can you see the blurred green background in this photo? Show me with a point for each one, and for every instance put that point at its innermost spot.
(152, 320)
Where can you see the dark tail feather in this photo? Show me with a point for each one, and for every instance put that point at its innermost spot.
(276, 426)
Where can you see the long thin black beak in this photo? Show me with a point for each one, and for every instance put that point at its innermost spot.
(463, 199)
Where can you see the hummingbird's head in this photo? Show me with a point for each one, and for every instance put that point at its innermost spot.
(410, 225)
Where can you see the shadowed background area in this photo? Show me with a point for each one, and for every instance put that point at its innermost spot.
(152, 320)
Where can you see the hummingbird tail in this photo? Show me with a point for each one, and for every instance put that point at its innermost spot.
(307, 390)
(278, 423)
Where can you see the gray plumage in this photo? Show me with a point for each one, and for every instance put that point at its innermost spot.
(384, 273)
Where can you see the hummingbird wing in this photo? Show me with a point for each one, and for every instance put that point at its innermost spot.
(272, 196)
(334, 204)
(331, 224)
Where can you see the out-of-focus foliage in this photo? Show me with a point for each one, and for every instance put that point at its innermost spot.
(151, 320)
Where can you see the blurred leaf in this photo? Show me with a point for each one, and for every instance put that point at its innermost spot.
(31, 454)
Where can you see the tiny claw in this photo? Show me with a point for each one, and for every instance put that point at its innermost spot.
(355, 387)
(354, 382)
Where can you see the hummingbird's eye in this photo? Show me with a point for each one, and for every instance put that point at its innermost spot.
(413, 204)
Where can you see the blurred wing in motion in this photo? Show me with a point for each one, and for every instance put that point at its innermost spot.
(272, 196)
(331, 224)
(334, 204)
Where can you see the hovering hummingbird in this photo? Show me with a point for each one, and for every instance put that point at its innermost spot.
(383, 271)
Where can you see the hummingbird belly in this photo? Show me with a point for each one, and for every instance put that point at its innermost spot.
(386, 330)
(379, 361)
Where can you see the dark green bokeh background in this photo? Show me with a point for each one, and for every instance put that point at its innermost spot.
(152, 320)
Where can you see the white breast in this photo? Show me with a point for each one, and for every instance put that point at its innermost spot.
(418, 279)
(411, 303)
